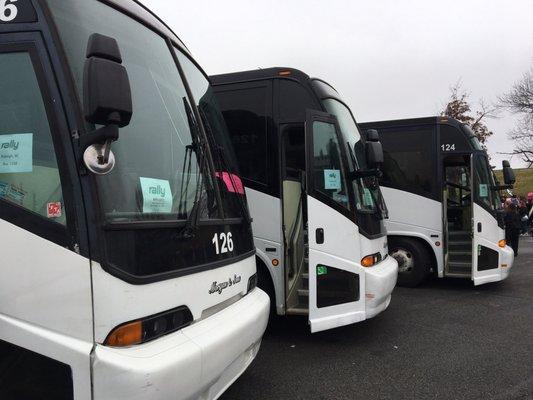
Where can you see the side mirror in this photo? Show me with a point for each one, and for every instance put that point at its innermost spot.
(508, 173)
(107, 102)
(374, 149)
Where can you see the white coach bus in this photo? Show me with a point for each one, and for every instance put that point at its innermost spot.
(313, 194)
(446, 215)
(128, 264)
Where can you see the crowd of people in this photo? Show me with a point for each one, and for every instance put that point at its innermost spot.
(518, 219)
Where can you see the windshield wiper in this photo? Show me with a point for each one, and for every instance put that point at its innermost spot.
(222, 158)
(199, 149)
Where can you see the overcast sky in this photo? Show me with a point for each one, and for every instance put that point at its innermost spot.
(388, 58)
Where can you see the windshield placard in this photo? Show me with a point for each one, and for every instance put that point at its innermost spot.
(157, 195)
(332, 179)
(16, 12)
(16, 153)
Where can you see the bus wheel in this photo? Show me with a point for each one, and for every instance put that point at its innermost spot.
(413, 261)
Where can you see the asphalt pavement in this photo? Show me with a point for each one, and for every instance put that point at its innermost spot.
(444, 340)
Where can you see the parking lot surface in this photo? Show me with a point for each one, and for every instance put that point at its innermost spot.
(444, 340)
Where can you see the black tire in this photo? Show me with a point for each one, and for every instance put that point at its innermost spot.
(414, 254)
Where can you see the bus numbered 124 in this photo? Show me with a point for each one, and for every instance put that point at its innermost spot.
(445, 211)
(313, 194)
(128, 263)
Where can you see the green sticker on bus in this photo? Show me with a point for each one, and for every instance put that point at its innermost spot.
(157, 196)
(321, 270)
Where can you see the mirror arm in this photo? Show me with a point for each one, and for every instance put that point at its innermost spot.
(105, 135)
(365, 173)
(502, 187)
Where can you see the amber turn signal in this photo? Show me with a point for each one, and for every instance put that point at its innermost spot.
(502, 243)
(368, 261)
(126, 335)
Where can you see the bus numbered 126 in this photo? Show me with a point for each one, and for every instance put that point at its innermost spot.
(445, 211)
(128, 264)
(313, 194)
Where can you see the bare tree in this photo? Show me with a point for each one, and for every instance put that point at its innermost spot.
(459, 107)
(520, 101)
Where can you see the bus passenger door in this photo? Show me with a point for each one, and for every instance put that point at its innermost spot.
(335, 280)
(46, 328)
(486, 233)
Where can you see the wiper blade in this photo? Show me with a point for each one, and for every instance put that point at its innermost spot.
(222, 158)
(199, 149)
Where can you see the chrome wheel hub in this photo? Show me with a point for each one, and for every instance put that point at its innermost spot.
(405, 260)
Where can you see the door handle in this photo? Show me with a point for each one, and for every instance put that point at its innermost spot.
(479, 227)
(319, 235)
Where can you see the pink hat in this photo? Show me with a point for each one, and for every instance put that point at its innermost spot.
(530, 196)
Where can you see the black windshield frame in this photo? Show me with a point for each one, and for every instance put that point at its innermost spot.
(370, 222)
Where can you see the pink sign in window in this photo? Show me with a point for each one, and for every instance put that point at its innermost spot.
(233, 182)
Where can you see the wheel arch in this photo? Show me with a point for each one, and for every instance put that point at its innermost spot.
(263, 271)
(425, 242)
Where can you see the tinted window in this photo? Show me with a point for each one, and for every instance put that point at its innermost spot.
(410, 162)
(213, 121)
(294, 151)
(294, 101)
(452, 139)
(328, 170)
(29, 174)
(245, 111)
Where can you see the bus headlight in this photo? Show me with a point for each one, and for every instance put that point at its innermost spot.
(149, 328)
(371, 260)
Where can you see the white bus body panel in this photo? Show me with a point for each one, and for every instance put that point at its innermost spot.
(268, 233)
(198, 362)
(45, 302)
(377, 282)
(117, 302)
(412, 215)
(489, 237)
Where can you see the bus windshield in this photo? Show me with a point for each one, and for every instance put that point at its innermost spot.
(485, 187)
(161, 172)
(367, 195)
(165, 173)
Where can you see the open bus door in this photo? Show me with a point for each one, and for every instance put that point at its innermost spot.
(486, 233)
(336, 282)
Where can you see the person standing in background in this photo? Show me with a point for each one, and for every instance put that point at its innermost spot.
(512, 227)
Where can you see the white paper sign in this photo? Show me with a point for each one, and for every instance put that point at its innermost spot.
(157, 195)
(16, 153)
(483, 190)
(332, 179)
(367, 198)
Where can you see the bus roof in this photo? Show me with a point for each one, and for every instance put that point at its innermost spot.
(413, 122)
(259, 74)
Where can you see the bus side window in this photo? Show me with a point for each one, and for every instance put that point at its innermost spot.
(246, 114)
(409, 155)
(29, 176)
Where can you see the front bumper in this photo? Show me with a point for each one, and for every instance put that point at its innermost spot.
(198, 362)
(380, 282)
(506, 261)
